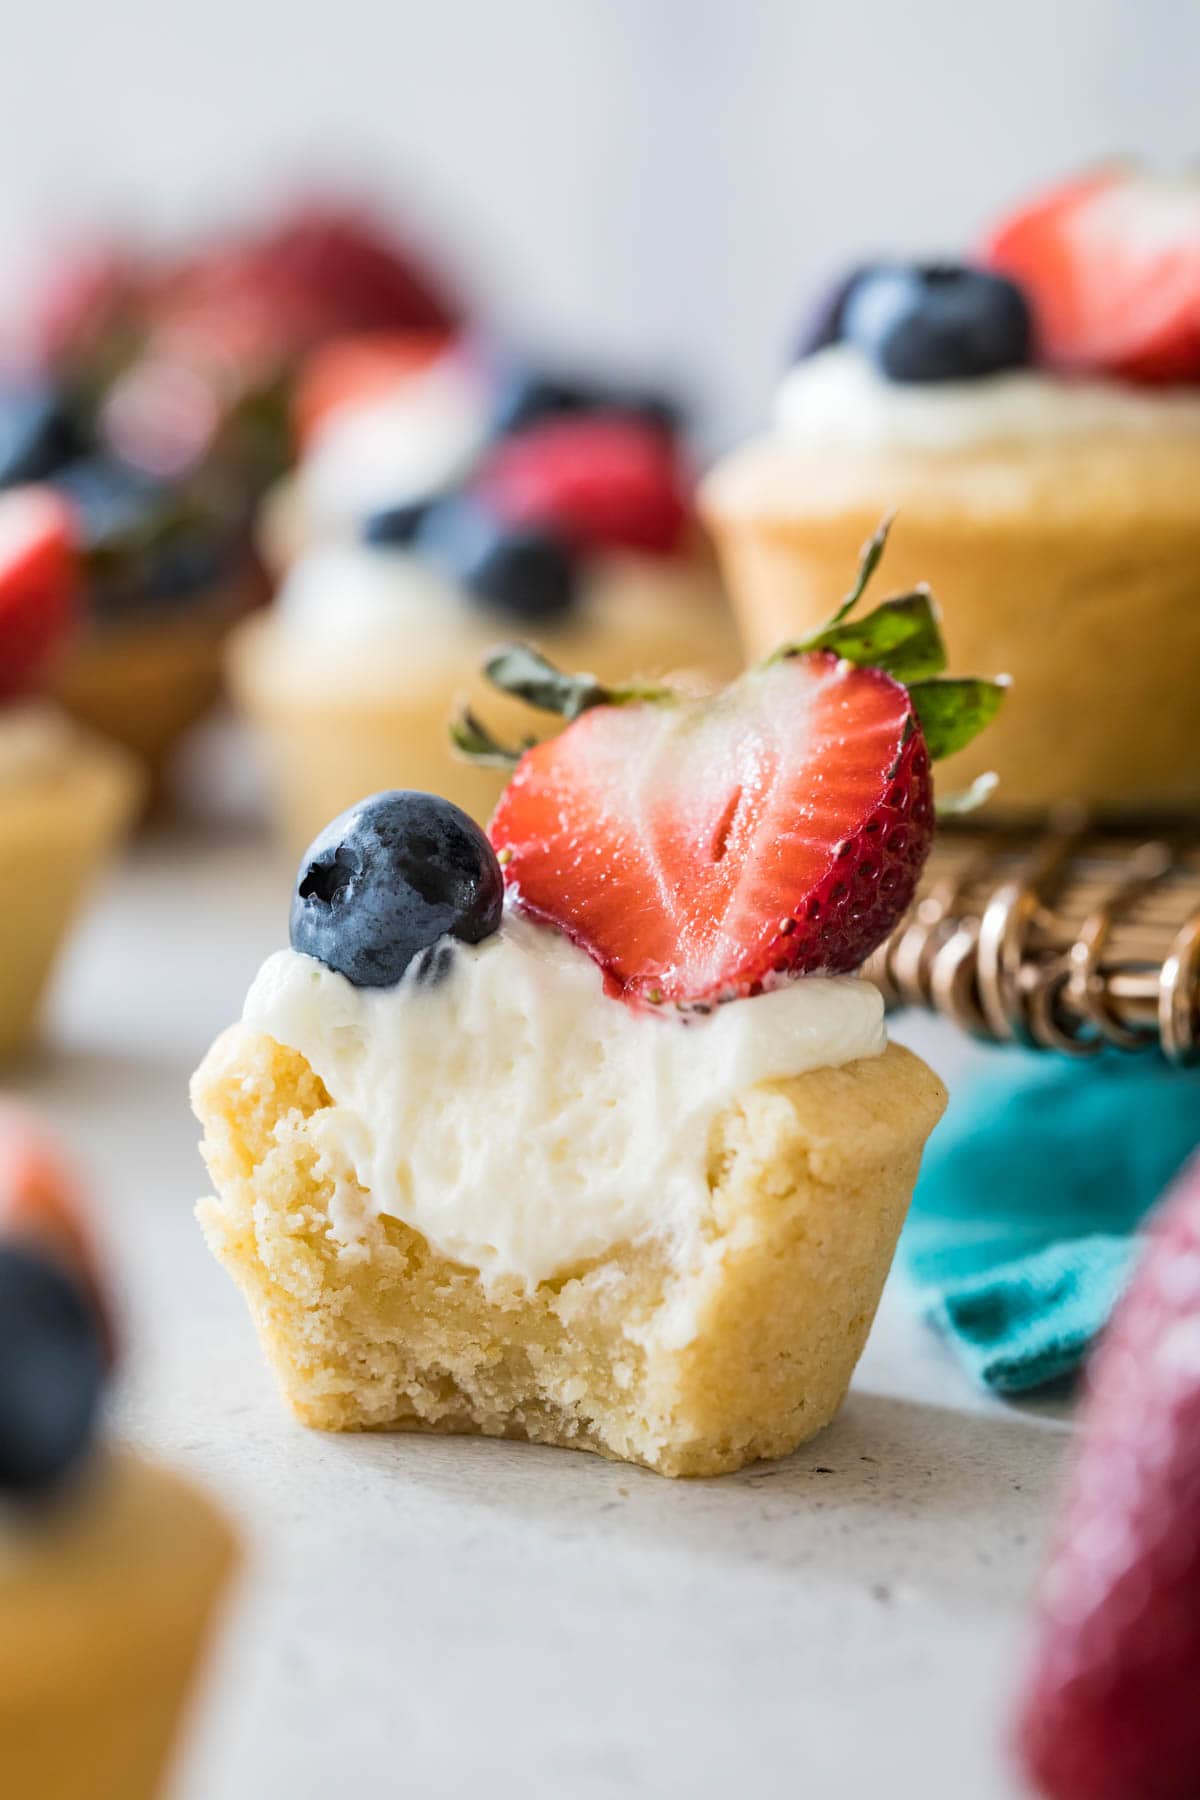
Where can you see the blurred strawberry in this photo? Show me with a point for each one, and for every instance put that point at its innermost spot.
(232, 317)
(357, 276)
(349, 371)
(1110, 264)
(39, 583)
(604, 480)
(1110, 1709)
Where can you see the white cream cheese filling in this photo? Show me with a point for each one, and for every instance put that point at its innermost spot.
(519, 1118)
(837, 399)
(403, 446)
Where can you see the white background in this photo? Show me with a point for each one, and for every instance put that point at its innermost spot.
(659, 180)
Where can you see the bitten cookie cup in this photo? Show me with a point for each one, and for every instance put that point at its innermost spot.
(335, 723)
(743, 1352)
(57, 826)
(106, 1599)
(1072, 566)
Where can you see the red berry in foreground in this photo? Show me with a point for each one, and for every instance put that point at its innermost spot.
(1112, 1702)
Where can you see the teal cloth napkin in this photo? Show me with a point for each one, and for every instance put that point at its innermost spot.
(1022, 1230)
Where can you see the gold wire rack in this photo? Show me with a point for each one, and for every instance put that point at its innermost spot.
(1066, 938)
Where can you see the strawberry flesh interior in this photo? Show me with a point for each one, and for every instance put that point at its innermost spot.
(702, 848)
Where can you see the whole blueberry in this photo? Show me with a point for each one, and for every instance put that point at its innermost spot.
(37, 434)
(823, 324)
(393, 526)
(526, 571)
(52, 1371)
(390, 879)
(938, 322)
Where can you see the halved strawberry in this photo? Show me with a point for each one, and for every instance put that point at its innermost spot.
(701, 849)
(1110, 264)
(39, 583)
(604, 480)
(348, 371)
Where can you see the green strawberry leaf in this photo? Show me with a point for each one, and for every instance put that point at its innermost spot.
(952, 712)
(523, 672)
(473, 741)
(868, 562)
(953, 806)
(902, 636)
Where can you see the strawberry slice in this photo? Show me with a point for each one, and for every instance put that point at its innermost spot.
(698, 848)
(1110, 265)
(603, 480)
(39, 583)
(701, 849)
(352, 371)
(1110, 1707)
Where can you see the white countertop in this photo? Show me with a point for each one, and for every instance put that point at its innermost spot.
(442, 1618)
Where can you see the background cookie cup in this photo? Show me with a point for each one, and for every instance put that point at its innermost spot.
(1033, 417)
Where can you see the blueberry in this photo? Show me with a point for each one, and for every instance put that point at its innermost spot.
(526, 571)
(823, 325)
(395, 525)
(651, 404)
(52, 1371)
(940, 322)
(37, 434)
(390, 879)
(186, 562)
(527, 396)
(147, 541)
(112, 502)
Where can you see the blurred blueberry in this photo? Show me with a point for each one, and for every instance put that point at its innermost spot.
(111, 500)
(393, 526)
(37, 434)
(52, 1372)
(527, 396)
(938, 322)
(522, 570)
(186, 562)
(653, 405)
(823, 325)
(146, 542)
